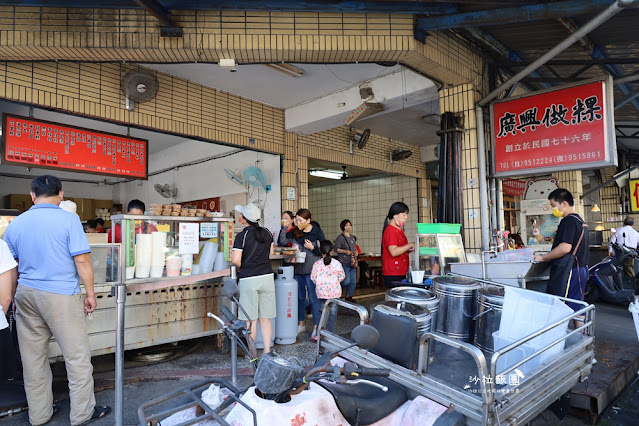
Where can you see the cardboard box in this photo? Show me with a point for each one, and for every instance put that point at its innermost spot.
(85, 208)
(97, 238)
(103, 204)
(20, 202)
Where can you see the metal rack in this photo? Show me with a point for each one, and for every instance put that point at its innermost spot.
(155, 286)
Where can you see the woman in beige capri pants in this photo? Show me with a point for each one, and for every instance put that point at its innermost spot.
(251, 254)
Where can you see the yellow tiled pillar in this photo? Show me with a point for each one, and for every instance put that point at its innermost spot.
(289, 173)
(610, 197)
(425, 200)
(572, 181)
(461, 100)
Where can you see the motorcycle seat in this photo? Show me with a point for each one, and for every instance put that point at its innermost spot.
(373, 403)
(397, 337)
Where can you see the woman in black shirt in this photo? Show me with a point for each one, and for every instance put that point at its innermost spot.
(307, 234)
(251, 254)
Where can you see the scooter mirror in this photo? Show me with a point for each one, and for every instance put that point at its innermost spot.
(366, 336)
(230, 288)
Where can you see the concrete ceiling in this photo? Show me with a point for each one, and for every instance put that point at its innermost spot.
(402, 120)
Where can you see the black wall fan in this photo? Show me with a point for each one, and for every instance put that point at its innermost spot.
(400, 154)
(360, 139)
(139, 86)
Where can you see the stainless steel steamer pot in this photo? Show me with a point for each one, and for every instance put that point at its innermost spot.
(456, 306)
(490, 303)
(417, 296)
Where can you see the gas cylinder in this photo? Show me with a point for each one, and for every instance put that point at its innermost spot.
(286, 302)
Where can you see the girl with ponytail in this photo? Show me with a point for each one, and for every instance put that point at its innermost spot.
(327, 274)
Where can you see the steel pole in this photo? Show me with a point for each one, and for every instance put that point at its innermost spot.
(120, 299)
(483, 187)
(609, 12)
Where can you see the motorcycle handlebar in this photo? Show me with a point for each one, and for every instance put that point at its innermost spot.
(227, 314)
(380, 372)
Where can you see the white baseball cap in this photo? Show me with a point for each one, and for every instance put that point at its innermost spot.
(69, 206)
(250, 212)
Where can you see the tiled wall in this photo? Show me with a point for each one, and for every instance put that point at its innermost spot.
(366, 204)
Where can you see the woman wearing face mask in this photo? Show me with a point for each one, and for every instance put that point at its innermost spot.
(395, 245)
(346, 248)
(307, 234)
(287, 225)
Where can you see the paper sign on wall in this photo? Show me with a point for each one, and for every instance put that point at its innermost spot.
(208, 230)
(189, 238)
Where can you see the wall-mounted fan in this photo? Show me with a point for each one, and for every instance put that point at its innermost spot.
(139, 86)
(254, 176)
(167, 191)
(234, 176)
(360, 139)
(400, 154)
(344, 175)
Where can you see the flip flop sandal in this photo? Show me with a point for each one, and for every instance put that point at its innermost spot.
(99, 412)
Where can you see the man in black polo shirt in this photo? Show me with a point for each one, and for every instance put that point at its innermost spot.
(569, 254)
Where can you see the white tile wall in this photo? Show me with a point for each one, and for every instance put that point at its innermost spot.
(366, 204)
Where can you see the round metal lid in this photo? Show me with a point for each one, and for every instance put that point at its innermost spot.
(492, 294)
(402, 308)
(416, 293)
(454, 282)
(492, 290)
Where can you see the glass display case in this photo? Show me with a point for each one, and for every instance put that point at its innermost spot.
(203, 242)
(443, 248)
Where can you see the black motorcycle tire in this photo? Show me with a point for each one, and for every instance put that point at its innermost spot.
(592, 292)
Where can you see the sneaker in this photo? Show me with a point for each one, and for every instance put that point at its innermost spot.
(301, 329)
(314, 338)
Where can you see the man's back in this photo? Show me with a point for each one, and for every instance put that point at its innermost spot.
(45, 239)
(627, 236)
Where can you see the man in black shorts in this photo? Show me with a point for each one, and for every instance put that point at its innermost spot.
(569, 255)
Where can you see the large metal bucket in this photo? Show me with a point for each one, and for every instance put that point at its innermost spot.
(417, 296)
(456, 306)
(490, 303)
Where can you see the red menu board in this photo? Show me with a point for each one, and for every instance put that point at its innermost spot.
(44, 144)
(568, 128)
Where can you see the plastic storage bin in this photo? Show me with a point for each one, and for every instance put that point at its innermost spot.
(438, 228)
(525, 312)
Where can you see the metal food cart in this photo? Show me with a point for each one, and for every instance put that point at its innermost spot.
(158, 310)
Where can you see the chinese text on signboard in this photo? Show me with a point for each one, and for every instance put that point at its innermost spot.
(564, 129)
(37, 143)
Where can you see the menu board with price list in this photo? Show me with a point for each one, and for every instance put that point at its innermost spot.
(44, 144)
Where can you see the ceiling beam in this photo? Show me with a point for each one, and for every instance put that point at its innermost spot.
(510, 15)
(497, 46)
(167, 29)
(336, 6)
(596, 52)
(599, 61)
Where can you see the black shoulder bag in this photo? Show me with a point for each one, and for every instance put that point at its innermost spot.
(561, 268)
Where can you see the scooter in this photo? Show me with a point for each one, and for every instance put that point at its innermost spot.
(605, 279)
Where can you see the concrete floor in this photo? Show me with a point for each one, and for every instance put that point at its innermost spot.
(191, 361)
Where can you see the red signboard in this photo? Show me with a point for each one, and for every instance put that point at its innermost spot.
(514, 187)
(44, 144)
(556, 130)
(211, 204)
